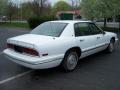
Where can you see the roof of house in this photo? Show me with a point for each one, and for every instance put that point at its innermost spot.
(69, 12)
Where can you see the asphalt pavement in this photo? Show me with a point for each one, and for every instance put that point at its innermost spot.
(100, 71)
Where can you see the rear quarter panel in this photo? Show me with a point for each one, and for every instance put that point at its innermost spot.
(57, 47)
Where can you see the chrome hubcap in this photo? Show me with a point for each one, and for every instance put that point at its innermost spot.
(111, 47)
(72, 61)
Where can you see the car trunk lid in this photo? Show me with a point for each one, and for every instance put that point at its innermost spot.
(30, 40)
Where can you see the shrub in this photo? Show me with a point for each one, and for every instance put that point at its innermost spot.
(35, 21)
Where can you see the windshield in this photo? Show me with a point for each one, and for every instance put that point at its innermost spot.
(49, 29)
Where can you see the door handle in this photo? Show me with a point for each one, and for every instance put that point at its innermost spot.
(82, 40)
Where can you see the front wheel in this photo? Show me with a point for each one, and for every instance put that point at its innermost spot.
(70, 61)
(110, 48)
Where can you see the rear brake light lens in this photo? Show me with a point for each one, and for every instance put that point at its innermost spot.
(10, 45)
(23, 49)
(30, 51)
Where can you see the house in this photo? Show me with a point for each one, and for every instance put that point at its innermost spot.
(68, 15)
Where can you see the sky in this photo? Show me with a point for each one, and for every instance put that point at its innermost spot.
(54, 1)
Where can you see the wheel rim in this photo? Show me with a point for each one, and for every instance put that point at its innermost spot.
(111, 47)
(72, 61)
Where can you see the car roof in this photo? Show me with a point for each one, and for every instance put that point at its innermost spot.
(70, 21)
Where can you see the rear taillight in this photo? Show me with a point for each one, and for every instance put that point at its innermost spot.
(22, 49)
(10, 45)
(30, 51)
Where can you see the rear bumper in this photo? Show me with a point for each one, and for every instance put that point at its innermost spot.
(33, 62)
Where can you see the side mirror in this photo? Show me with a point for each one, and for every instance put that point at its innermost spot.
(104, 32)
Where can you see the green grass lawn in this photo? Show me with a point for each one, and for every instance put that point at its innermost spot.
(14, 25)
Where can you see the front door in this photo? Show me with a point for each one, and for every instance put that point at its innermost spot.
(84, 38)
(99, 36)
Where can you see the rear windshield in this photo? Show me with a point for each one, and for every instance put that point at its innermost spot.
(49, 29)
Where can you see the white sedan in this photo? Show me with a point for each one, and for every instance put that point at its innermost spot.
(57, 43)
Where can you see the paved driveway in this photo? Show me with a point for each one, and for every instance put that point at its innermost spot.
(100, 71)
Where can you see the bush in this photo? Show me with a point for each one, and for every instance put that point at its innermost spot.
(35, 21)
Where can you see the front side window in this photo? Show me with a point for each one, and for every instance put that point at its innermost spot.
(49, 29)
(94, 29)
(81, 29)
(85, 29)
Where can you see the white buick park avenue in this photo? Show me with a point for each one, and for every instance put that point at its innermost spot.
(55, 43)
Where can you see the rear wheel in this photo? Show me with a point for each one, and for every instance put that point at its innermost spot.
(110, 48)
(70, 61)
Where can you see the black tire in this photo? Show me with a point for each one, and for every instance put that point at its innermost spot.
(110, 48)
(70, 61)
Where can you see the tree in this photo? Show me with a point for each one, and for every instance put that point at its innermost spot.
(27, 12)
(3, 6)
(117, 10)
(88, 9)
(61, 6)
(108, 8)
(105, 9)
(29, 9)
(12, 9)
(37, 6)
(100, 9)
